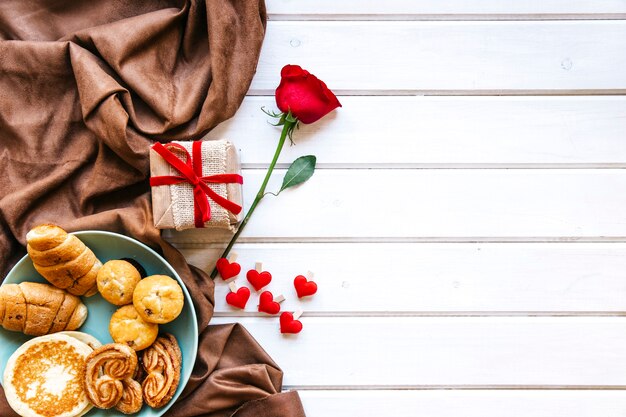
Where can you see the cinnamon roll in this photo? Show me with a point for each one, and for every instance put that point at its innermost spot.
(162, 362)
(108, 378)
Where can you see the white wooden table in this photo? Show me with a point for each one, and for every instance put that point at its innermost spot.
(467, 222)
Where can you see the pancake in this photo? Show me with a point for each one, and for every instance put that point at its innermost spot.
(44, 377)
(86, 338)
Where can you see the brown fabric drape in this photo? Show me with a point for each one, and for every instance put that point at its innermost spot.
(85, 87)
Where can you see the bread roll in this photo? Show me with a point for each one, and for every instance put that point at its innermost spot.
(37, 309)
(63, 259)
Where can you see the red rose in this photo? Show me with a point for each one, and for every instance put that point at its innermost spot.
(301, 97)
(302, 93)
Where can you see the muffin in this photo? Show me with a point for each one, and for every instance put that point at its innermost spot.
(116, 282)
(129, 328)
(158, 299)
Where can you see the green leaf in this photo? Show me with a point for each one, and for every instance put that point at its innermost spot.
(300, 171)
(291, 118)
(271, 113)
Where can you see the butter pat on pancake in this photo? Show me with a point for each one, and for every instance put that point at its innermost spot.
(44, 377)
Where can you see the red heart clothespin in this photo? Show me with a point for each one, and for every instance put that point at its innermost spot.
(304, 286)
(238, 297)
(228, 268)
(269, 305)
(289, 323)
(257, 278)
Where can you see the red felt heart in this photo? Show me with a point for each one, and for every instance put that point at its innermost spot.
(258, 280)
(226, 269)
(238, 299)
(288, 324)
(267, 303)
(304, 287)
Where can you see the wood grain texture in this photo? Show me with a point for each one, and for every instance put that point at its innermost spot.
(441, 278)
(555, 57)
(440, 132)
(405, 326)
(413, 352)
(475, 403)
(444, 10)
(444, 204)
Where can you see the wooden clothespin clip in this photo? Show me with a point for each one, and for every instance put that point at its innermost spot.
(310, 275)
(279, 298)
(232, 286)
(297, 314)
(259, 267)
(233, 257)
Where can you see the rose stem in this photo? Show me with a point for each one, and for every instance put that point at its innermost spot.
(259, 196)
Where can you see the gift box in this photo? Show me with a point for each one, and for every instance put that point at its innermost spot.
(196, 184)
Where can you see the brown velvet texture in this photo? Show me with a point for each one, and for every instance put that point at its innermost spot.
(85, 87)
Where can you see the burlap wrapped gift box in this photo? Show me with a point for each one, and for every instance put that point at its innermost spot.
(173, 205)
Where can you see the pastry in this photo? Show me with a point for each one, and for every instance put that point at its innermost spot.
(63, 259)
(108, 378)
(37, 309)
(162, 363)
(128, 328)
(44, 377)
(86, 338)
(132, 397)
(158, 299)
(116, 282)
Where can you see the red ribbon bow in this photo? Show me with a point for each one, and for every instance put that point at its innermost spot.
(191, 172)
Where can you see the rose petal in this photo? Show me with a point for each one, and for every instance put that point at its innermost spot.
(307, 97)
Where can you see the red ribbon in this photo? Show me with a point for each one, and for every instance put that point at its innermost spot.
(191, 172)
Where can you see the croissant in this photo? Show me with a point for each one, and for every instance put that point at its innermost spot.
(63, 259)
(38, 309)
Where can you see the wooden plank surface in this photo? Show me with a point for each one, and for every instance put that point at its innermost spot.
(474, 403)
(453, 352)
(559, 57)
(444, 204)
(439, 132)
(406, 323)
(440, 278)
(445, 10)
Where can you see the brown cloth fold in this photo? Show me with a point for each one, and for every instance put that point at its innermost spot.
(85, 87)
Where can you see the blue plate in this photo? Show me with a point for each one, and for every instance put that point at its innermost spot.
(107, 246)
